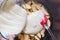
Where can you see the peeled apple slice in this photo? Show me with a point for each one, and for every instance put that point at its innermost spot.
(33, 22)
(12, 22)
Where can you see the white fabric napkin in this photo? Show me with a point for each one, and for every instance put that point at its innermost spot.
(12, 22)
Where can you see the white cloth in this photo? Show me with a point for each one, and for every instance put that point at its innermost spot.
(13, 22)
(33, 22)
